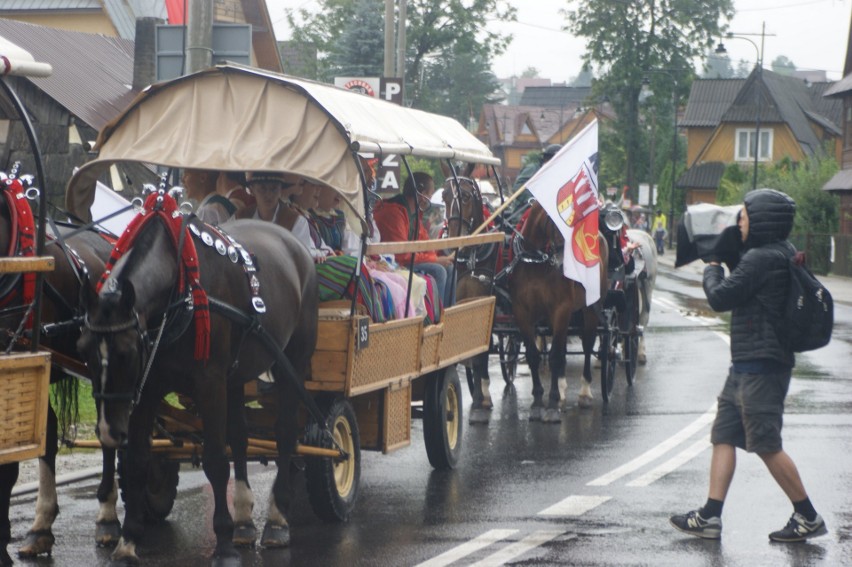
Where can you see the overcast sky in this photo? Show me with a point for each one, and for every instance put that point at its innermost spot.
(811, 33)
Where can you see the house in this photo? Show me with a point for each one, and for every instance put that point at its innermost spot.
(117, 18)
(547, 115)
(841, 183)
(723, 117)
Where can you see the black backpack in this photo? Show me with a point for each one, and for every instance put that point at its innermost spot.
(809, 310)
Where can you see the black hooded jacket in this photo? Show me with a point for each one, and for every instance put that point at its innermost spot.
(756, 290)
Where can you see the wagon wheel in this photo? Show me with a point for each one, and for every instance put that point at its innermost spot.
(161, 488)
(333, 483)
(509, 349)
(442, 418)
(608, 352)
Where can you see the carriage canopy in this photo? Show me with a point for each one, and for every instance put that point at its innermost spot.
(238, 118)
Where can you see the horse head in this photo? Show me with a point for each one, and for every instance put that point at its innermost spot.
(463, 205)
(539, 232)
(115, 342)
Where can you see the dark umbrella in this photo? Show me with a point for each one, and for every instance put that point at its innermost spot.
(709, 232)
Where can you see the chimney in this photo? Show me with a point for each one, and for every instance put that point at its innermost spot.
(145, 53)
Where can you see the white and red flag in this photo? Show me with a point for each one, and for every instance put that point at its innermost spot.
(567, 188)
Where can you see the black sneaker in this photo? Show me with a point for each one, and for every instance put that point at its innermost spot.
(693, 524)
(799, 529)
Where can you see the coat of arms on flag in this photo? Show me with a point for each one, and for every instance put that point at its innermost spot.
(567, 188)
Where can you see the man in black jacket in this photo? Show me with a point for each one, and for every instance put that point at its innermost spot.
(751, 405)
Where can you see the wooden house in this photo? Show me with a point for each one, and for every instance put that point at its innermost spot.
(841, 183)
(724, 117)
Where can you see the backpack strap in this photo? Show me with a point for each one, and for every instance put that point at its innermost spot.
(224, 201)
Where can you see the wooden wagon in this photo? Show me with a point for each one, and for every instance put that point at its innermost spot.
(368, 379)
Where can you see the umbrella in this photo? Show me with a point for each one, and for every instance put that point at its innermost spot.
(709, 232)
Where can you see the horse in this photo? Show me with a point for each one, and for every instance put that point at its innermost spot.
(645, 280)
(173, 316)
(476, 267)
(85, 251)
(542, 294)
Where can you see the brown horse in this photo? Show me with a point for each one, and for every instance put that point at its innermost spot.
(542, 295)
(476, 269)
(147, 333)
(86, 251)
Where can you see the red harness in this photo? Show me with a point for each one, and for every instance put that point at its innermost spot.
(21, 234)
(167, 210)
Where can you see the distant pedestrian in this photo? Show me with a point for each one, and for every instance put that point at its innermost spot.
(659, 232)
(751, 405)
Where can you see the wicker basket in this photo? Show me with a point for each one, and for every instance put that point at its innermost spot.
(24, 398)
(397, 418)
(430, 347)
(467, 330)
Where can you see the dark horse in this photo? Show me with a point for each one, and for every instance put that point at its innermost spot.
(476, 268)
(88, 251)
(142, 341)
(541, 294)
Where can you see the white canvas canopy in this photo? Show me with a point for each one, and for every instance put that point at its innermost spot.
(15, 60)
(238, 118)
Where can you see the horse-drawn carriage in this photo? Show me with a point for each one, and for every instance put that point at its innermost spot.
(367, 379)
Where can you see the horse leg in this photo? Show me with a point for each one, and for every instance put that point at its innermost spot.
(8, 478)
(481, 406)
(533, 360)
(39, 539)
(276, 532)
(133, 476)
(556, 362)
(245, 532)
(588, 337)
(107, 526)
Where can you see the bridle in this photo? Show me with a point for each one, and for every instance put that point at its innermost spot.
(461, 197)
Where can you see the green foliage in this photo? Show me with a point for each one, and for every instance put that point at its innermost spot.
(430, 166)
(458, 85)
(533, 157)
(530, 73)
(627, 39)
(360, 50)
(783, 65)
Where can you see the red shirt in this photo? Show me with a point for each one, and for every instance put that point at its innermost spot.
(393, 222)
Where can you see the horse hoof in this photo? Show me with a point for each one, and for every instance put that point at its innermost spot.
(642, 359)
(536, 413)
(479, 415)
(487, 404)
(38, 542)
(107, 533)
(245, 534)
(552, 416)
(584, 402)
(275, 536)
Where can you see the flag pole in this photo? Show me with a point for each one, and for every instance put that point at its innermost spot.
(499, 210)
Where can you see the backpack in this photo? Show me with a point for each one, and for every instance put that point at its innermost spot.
(808, 311)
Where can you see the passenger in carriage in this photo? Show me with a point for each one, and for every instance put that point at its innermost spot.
(271, 191)
(232, 186)
(396, 219)
(200, 186)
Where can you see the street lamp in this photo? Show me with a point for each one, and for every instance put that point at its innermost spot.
(720, 49)
(645, 82)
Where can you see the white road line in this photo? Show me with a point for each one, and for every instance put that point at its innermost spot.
(575, 505)
(465, 549)
(657, 451)
(665, 468)
(665, 303)
(518, 548)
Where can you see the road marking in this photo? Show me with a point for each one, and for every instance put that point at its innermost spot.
(513, 550)
(680, 459)
(656, 452)
(575, 505)
(465, 549)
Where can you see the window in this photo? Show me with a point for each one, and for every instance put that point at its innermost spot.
(745, 139)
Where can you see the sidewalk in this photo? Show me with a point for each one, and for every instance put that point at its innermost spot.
(839, 286)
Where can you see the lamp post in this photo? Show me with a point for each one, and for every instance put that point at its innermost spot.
(720, 49)
(674, 149)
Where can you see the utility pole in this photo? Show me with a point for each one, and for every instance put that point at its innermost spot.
(389, 51)
(199, 39)
(400, 42)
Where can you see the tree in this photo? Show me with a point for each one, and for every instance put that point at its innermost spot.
(626, 39)
(583, 79)
(360, 49)
(783, 66)
(530, 73)
(718, 66)
(434, 29)
(458, 85)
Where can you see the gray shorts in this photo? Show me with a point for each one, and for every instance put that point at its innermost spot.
(751, 411)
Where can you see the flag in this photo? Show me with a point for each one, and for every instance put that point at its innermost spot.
(567, 188)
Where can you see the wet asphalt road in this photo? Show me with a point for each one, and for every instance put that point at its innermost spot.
(595, 490)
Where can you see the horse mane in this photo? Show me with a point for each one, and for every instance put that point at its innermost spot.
(539, 230)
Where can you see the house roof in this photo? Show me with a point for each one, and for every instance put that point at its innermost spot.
(555, 96)
(842, 181)
(92, 73)
(122, 13)
(783, 99)
(704, 176)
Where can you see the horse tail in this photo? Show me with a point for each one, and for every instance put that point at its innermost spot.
(66, 404)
